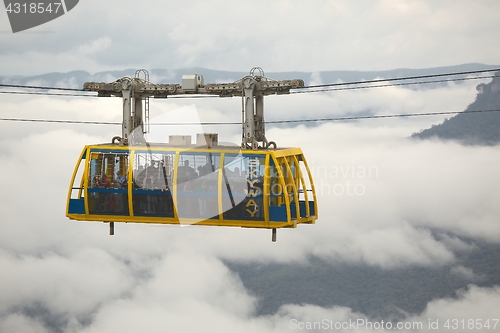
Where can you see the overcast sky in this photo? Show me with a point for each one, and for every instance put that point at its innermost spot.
(73, 276)
(275, 35)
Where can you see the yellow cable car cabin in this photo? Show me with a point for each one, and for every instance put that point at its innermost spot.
(256, 185)
(178, 185)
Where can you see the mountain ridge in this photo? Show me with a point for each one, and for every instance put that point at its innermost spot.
(473, 128)
(159, 75)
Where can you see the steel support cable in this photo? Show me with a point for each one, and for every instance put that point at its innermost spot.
(296, 90)
(312, 86)
(401, 78)
(82, 95)
(38, 87)
(267, 122)
(391, 84)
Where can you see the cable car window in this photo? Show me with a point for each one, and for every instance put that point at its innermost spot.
(152, 179)
(242, 187)
(294, 177)
(197, 184)
(76, 203)
(306, 186)
(107, 188)
(275, 188)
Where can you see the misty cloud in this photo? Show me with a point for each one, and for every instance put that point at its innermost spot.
(386, 202)
(160, 277)
(343, 35)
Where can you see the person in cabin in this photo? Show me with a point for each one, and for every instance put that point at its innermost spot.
(121, 183)
(103, 197)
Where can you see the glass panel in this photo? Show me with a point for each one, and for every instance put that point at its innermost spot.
(242, 188)
(76, 204)
(307, 185)
(197, 185)
(275, 188)
(293, 178)
(294, 172)
(107, 188)
(152, 176)
(287, 177)
(77, 186)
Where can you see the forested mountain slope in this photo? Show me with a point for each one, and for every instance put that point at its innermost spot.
(473, 128)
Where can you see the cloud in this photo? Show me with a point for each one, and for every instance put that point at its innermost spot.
(74, 284)
(464, 272)
(187, 291)
(184, 291)
(342, 35)
(93, 47)
(19, 323)
(384, 201)
(378, 191)
(472, 308)
(80, 57)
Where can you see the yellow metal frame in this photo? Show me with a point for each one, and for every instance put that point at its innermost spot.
(72, 182)
(278, 156)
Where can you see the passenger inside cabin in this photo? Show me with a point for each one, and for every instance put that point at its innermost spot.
(121, 183)
(186, 172)
(151, 199)
(120, 180)
(95, 181)
(139, 176)
(103, 181)
(104, 198)
(152, 169)
(109, 204)
(207, 168)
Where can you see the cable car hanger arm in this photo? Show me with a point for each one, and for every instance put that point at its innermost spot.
(252, 88)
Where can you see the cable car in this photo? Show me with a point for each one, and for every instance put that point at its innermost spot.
(254, 185)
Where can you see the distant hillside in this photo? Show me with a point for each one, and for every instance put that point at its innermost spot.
(376, 292)
(472, 128)
(75, 79)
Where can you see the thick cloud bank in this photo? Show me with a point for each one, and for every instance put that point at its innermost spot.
(278, 36)
(383, 199)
